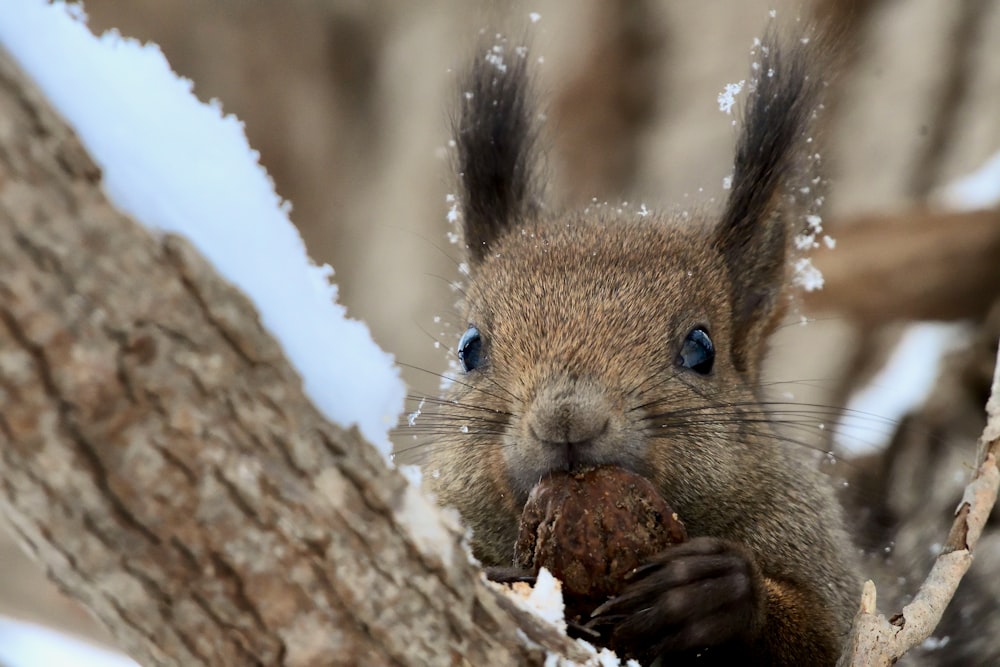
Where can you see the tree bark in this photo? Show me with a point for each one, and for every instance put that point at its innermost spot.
(158, 456)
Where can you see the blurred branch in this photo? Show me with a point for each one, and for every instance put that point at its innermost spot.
(920, 265)
(609, 101)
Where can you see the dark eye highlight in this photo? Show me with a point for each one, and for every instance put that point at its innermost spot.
(697, 353)
(470, 348)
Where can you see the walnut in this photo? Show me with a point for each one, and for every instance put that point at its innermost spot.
(590, 529)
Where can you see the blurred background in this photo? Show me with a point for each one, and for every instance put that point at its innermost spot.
(348, 100)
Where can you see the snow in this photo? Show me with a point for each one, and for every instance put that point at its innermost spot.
(899, 387)
(495, 57)
(806, 276)
(804, 273)
(181, 166)
(429, 530)
(603, 658)
(978, 190)
(546, 599)
(727, 98)
(25, 644)
(935, 643)
(453, 215)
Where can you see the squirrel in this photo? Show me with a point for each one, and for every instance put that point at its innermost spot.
(599, 338)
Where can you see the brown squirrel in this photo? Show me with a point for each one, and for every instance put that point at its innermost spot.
(636, 340)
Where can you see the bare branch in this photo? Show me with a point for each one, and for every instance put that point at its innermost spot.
(876, 642)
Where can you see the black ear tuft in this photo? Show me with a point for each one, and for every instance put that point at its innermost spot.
(754, 231)
(496, 134)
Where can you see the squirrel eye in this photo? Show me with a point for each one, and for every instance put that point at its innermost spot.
(697, 353)
(470, 347)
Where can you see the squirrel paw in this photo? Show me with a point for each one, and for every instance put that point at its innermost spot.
(702, 593)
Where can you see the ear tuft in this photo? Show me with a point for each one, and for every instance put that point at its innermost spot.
(495, 133)
(755, 227)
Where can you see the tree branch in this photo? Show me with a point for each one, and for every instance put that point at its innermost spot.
(875, 641)
(916, 265)
(158, 456)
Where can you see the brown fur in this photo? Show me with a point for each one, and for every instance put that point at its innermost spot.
(582, 317)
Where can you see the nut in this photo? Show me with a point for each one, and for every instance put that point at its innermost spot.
(591, 528)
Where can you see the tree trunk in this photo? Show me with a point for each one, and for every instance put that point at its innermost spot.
(158, 456)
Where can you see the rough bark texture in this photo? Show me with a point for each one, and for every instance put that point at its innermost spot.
(158, 456)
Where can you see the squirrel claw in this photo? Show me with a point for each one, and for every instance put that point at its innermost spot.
(582, 630)
(641, 571)
(603, 609)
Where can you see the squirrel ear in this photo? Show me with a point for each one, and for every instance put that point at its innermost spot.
(495, 134)
(754, 231)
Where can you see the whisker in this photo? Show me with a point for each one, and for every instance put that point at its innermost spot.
(455, 380)
(444, 402)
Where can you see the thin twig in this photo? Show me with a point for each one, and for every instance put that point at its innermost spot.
(875, 641)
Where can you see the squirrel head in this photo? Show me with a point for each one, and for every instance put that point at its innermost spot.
(609, 336)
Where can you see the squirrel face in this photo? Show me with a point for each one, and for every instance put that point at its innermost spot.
(591, 334)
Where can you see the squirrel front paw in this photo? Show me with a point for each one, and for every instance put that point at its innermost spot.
(703, 593)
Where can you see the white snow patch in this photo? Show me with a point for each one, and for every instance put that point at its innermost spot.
(805, 273)
(454, 214)
(546, 599)
(807, 239)
(978, 190)
(535, 17)
(804, 242)
(806, 276)
(181, 166)
(425, 525)
(454, 372)
(902, 385)
(935, 643)
(603, 657)
(411, 419)
(495, 57)
(25, 644)
(413, 474)
(727, 98)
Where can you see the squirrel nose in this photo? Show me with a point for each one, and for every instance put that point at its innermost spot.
(568, 413)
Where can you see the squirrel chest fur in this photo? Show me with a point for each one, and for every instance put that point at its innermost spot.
(613, 338)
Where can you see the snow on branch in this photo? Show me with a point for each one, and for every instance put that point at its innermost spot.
(175, 164)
